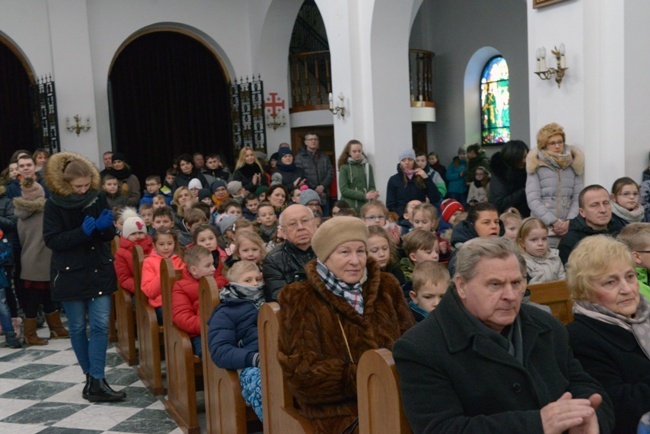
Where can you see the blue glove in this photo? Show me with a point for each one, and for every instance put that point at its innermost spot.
(89, 225)
(105, 220)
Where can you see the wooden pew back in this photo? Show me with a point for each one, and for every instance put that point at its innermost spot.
(125, 316)
(280, 413)
(554, 295)
(379, 396)
(149, 332)
(182, 365)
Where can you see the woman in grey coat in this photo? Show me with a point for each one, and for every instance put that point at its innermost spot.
(554, 181)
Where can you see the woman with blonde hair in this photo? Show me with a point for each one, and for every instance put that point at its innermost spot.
(554, 181)
(249, 170)
(356, 181)
(610, 334)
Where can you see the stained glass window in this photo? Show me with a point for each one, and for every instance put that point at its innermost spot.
(495, 102)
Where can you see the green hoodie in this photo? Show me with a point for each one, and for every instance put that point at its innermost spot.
(642, 276)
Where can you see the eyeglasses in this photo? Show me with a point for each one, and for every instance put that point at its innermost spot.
(558, 143)
(629, 194)
(374, 217)
(294, 224)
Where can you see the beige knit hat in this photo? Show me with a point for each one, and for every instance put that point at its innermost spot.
(335, 232)
(30, 189)
(548, 131)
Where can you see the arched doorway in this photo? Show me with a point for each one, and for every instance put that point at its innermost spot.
(168, 95)
(16, 128)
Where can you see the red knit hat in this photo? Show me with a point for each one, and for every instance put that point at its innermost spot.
(449, 207)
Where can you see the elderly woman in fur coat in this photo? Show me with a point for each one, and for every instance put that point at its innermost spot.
(554, 181)
(345, 306)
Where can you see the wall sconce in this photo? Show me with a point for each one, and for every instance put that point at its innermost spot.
(339, 108)
(275, 120)
(77, 127)
(547, 73)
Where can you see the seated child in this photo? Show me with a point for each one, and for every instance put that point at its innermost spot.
(251, 203)
(450, 209)
(118, 219)
(225, 225)
(111, 188)
(625, 202)
(542, 262)
(146, 214)
(152, 189)
(382, 249)
(170, 176)
(219, 193)
(195, 186)
(425, 216)
(478, 189)
(430, 283)
(405, 223)
(637, 237)
(232, 336)
(162, 218)
(374, 212)
(206, 236)
(134, 233)
(159, 201)
(192, 219)
(232, 207)
(185, 294)
(511, 219)
(237, 191)
(311, 200)
(268, 224)
(248, 247)
(419, 245)
(165, 243)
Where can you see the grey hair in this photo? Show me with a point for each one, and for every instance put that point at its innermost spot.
(311, 213)
(476, 249)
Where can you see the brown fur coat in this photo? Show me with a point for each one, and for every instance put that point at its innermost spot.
(312, 349)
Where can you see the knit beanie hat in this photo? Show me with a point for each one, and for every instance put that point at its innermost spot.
(30, 189)
(308, 195)
(218, 183)
(449, 207)
(261, 189)
(118, 156)
(548, 131)
(234, 187)
(335, 232)
(276, 178)
(133, 225)
(407, 153)
(284, 151)
(204, 193)
(194, 183)
(226, 222)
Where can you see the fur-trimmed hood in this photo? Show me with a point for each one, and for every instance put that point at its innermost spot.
(53, 172)
(533, 161)
(24, 208)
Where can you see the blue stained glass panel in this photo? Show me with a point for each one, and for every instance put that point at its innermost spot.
(495, 102)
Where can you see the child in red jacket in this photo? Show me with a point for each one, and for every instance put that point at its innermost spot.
(185, 294)
(134, 233)
(206, 236)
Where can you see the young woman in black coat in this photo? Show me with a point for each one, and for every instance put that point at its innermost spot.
(508, 183)
(77, 227)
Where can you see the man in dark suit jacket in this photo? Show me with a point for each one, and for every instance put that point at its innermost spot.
(483, 363)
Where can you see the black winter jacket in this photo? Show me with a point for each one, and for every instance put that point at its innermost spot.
(508, 186)
(317, 168)
(284, 265)
(578, 229)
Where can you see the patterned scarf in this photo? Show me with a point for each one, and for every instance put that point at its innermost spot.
(350, 293)
(636, 215)
(638, 325)
(254, 294)
(562, 161)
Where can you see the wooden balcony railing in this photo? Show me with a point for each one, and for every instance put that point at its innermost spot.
(421, 77)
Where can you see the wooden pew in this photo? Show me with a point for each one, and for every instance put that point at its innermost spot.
(112, 319)
(183, 367)
(554, 295)
(280, 413)
(149, 332)
(226, 411)
(125, 315)
(379, 397)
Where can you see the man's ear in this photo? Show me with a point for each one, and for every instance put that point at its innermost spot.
(460, 287)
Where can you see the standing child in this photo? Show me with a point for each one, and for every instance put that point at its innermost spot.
(134, 233)
(625, 202)
(232, 336)
(430, 283)
(542, 262)
(511, 220)
(165, 244)
(206, 236)
(185, 294)
(479, 187)
(637, 237)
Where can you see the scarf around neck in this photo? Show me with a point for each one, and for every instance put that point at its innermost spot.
(638, 325)
(636, 215)
(120, 174)
(350, 293)
(254, 294)
(74, 201)
(561, 161)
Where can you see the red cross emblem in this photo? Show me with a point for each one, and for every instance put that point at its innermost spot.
(273, 103)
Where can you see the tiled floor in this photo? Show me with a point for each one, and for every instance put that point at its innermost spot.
(40, 392)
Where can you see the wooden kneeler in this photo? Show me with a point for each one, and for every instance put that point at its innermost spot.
(379, 397)
(149, 332)
(225, 408)
(280, 413)
(183, 367)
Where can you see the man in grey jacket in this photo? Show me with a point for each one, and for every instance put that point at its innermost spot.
(316, 166)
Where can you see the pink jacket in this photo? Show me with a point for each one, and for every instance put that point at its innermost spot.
(151, 276)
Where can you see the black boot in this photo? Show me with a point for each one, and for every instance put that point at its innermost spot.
(84, 393)
(100, 391)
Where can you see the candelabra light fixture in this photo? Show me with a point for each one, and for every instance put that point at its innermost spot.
(546, 73)
(275, 120)
(77, 127)
(340, 107)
